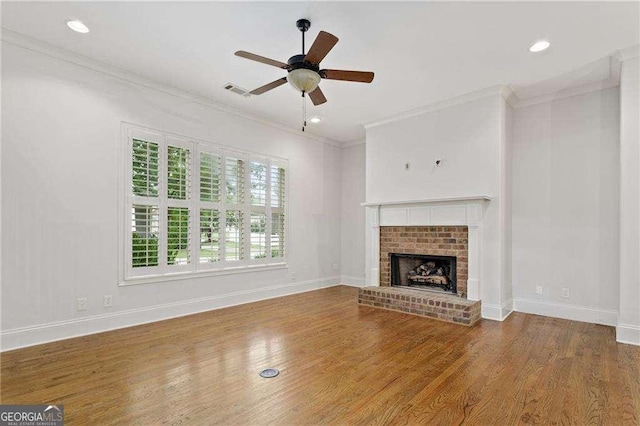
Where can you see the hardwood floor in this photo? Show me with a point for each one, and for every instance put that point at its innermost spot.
(340, 364)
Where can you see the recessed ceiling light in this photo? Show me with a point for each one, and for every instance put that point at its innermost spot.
(539, 46)
(315, 120)
(77, 26)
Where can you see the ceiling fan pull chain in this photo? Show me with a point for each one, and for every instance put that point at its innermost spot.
(304, 111)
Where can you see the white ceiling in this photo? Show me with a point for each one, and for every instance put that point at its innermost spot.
(421, 52)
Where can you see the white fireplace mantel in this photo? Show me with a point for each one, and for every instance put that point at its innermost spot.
(428, 201)
(453, 211)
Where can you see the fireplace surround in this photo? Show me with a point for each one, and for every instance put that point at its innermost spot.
(443, 212)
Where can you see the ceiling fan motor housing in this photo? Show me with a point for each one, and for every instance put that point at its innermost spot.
(297, 61)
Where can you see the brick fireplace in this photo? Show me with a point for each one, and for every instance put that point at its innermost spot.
(440, 233)
(425, 240)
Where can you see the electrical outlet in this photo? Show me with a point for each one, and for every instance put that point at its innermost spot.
(82, 304)
(565, 292)
(108, 301)
(334, 266)
(538, 289)
(293, 276)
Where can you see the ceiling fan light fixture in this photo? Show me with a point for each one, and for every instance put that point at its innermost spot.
(303, 80)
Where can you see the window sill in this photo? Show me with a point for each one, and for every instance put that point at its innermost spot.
(148, 279)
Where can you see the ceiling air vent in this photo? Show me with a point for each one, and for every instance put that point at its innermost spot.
(235, 89)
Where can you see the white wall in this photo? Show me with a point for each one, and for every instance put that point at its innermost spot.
(464, 136)
(506, 204)
(353, 215)
(61, 130)
(628, 329)
(470, 138)
(565, 206)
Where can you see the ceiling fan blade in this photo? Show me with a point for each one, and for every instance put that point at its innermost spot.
(267, 87)
(320, 47)
(358, 76)
(317, 97)
(262, 59)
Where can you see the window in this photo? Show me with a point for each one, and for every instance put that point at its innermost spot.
(197, 207)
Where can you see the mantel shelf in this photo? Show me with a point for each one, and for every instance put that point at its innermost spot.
(428, 201)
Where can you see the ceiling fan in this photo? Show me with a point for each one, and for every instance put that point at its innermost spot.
(304, 72)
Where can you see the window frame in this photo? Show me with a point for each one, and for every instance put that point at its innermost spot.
(129, 275)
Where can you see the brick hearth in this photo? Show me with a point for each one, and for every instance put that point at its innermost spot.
(443, 307)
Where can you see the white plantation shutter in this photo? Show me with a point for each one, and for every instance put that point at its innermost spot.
(277, 235)
(143, 208)
(192, 206)
(144, 168)
(178, 247)
(210, 177)
(178, 171)
(259, 183)
(258, 222)
(144, 234)
(277, 204)
(258, 235)
(210, 181)
(234, 230)
(209, 235)
(234, 180)
(234, 235)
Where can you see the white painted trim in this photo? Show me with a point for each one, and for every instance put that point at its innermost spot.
(458, 211)
(629, 334)
(189, 275)
(427, 201)
(629, 53)
(497, 312)
(510, 96)
(44, 333)
(354, 142)
(436, 106)
(353, 281)
(566, 311)
(612, 79)
(56, 52)
(564, 94)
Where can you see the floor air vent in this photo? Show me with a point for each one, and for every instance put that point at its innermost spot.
(235, 89)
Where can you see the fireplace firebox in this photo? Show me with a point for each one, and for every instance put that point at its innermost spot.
(425, 272)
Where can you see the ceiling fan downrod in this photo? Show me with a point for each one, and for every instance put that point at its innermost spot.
(303, 25)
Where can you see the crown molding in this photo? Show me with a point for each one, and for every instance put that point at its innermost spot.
(510, 96)
(610, 80)
(575, 91)
(629, 53)
(354, 142)
(38, 46)
(447, 103)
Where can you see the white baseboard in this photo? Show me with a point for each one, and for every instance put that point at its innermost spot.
(565, 311)
(44, 333)
(627, 333)
(353, 281)
(497, 312)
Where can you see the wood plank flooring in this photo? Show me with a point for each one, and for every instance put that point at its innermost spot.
(340, 363)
